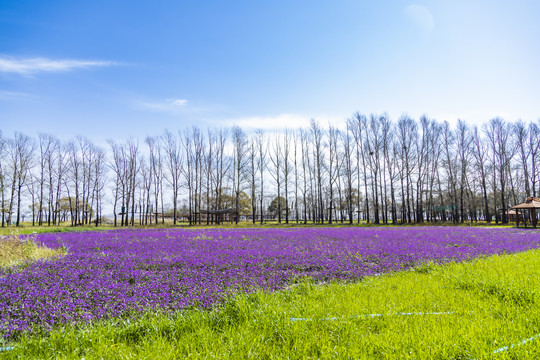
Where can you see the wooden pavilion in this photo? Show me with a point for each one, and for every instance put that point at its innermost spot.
(218, 216)
(513, 215)
(532, 204)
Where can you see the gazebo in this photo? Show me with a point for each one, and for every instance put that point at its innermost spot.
(219, 216)
(530, 204)
(512, 215)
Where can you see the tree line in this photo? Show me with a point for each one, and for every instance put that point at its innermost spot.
(373, 169)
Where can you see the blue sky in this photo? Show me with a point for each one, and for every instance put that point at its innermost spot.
(118, 69)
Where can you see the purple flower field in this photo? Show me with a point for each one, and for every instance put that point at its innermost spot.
(115, 273)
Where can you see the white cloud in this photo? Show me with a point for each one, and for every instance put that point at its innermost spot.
(420, 16)
(177, 102)
(27, 66)
(167, 105)
(8, 95)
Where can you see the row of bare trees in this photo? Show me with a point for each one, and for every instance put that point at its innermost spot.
(373, 169)
(50, 175)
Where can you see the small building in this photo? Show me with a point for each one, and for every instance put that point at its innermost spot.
(531, 205)
(513, 215)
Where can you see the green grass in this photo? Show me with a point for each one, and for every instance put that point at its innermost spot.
(28, 228)
(14, 251)
(494, 303)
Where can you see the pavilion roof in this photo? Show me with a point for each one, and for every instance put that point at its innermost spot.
(530, 203)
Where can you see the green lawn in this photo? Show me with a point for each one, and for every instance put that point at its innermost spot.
(28, 228)
(14, 250)
(457, 311)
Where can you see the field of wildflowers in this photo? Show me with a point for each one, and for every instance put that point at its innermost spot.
(117, 273)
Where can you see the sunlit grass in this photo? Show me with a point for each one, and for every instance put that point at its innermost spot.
(459, 311)
(28, 228)
(15, 250)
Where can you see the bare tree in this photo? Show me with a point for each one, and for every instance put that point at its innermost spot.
(450, 165)
(75, 178)
(126, 168)
(463, 141)
(3, 159)
(276, 160)
(60, 168)
(189, 171)
(209, 171)
(174, 163)
(390, 156)
(422, 154)
(534, 144)
(253, 169)
(434, 168)
(346, 138)
(317, 134)
(498, 133)
(222, 166)
(521, 133)
(296, 176)
(407, 137)
(21, 150)
(118, 166)
(240, 144)
(98, 169)
(359, 123)
(286, 170)
(156, 171)
(46, 147)
(51, 157)
(133, 171)
(333, 167)
(304, 144)
(373, 145)
(480, 157)
(193, 147)
(262, 152)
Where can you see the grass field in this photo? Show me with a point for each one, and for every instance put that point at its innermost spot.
(484, 309)
(28, 228)
(14, 250)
